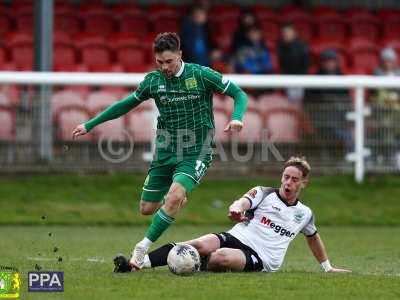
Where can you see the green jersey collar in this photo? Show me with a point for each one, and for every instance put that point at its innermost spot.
(181, 69)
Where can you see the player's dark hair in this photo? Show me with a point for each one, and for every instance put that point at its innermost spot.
(299, 163)
(167, 41)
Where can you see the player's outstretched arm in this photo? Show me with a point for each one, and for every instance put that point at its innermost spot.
(239, 107)
(114, 111)
(318, 249)
(238, 208)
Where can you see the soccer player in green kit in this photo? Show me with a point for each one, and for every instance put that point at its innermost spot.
(185, 128)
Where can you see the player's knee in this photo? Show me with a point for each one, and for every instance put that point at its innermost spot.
(221, 258)
(147, 208)
(174, 199)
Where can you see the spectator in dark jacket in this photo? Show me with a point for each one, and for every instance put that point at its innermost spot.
(247, 21)
(327, 108)
(293, 53)
(195, 37)
(253, 57)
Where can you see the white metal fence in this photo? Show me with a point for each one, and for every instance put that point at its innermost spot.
(374, 126)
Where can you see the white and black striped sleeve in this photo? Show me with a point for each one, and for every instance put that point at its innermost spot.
(255, 196)
(310, 229)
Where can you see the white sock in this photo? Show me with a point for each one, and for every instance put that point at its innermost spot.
(145, 243)
(146, 262)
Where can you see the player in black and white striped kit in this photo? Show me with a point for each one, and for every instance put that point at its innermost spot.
(268, 220)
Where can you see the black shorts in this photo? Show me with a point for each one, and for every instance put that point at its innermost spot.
(253, 261)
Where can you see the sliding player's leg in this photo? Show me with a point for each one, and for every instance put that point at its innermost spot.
(205, 245)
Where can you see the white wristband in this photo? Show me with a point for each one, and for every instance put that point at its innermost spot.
(326, 265)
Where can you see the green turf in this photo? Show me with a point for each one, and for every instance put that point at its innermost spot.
(372, 253)
(113, 199)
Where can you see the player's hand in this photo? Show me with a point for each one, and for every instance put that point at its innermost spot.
(337, 270)
(79, 130)
(237, 216)
(234, 125)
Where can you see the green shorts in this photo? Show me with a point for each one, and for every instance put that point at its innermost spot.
(167, 169)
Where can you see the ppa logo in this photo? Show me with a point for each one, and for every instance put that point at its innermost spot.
(45, 281)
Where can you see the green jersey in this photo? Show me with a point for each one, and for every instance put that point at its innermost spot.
(185, 105)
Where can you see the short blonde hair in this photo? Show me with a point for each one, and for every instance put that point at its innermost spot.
(299, 163)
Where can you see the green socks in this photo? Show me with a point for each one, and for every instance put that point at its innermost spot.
(159, 224)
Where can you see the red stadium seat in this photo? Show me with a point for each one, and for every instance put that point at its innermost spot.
(331, 27)
(365, 26)
(63, 99)
(131, 8)
(158, 10)
(99, 100)
(131, 56)
(142, 125)
(68, 119)
(219, 103)
(5, 23)
(291, 9)
(267, 102)
(66, 22)
(3, 56)
(355, 12)
(224, 11)
(388, 14)
(22, 55)
(365, 59)
(24, 22)
(391, 30)
(264, 12)
(96, 57)
(21, 6)
(64, 8)
(140, 23)
(10, 94)
(323, 10)
(282, 125)
(358, 44)
(7, 124)
(251, 133)
(124, 39)
(63, 55)
(99, 22)
(70, 68)
(118, 91)
(271, 29)
(111, 130)
(304, 28)
(221, 119)
(62, 37)
(166, 24)
(223, 42)
(85, 38)
(82, 90)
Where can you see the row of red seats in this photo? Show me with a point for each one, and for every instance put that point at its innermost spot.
(321, 21)
(271, 116)
(126, 53)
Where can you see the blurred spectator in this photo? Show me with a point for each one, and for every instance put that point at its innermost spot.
(388, 63)
(293, 53)
(253, 57)
(247, 21)
(385, 104)
(327, 108)
(293, 56)
(196, 38)
(388, 67)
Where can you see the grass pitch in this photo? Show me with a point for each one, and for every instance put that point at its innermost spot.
(371, 252)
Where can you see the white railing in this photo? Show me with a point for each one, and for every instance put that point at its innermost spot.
(359, 83)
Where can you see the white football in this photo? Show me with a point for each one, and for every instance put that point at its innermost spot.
(183, 259)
